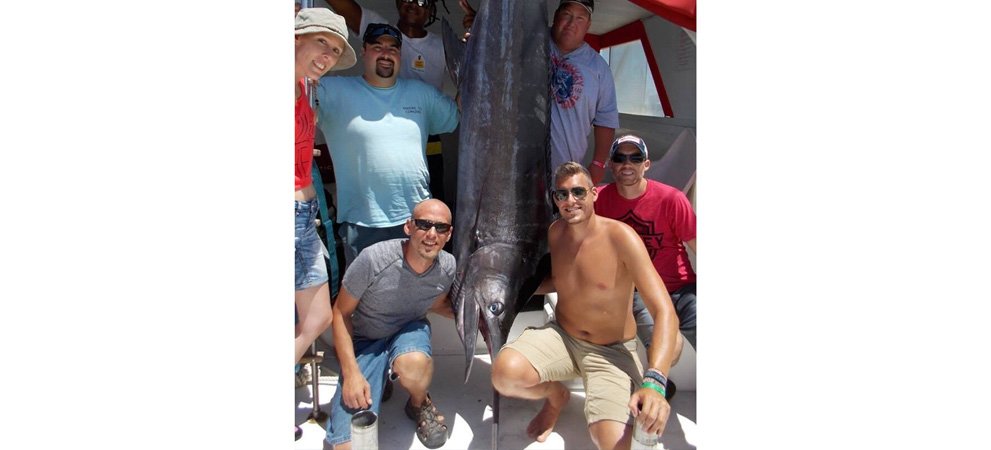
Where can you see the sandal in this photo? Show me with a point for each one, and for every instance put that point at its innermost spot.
(429, 429)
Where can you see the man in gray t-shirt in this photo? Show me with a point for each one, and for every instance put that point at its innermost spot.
(380, 323)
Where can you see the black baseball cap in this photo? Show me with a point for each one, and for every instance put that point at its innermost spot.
(376, 30)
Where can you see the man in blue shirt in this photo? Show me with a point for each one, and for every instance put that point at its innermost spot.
(376, 127)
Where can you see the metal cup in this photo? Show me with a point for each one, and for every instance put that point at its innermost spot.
(365, 430)
(644, 439)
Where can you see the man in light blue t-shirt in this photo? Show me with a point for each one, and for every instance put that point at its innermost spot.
(376, 127)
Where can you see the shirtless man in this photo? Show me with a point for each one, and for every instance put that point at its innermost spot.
(595, 264)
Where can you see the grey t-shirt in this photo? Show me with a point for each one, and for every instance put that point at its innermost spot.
(389, 293)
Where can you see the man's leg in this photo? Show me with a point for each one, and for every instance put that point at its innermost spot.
(609, 434)
(356, 238)
(409, 353)
(645, 323)
(610, 373)
(684, 305)
(515, 374)
(372, 358)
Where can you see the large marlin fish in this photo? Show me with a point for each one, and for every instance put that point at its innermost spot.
(502, 210)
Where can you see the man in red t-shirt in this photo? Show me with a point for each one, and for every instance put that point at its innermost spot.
(664, 219)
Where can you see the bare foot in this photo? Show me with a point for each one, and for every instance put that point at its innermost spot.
(543, 423)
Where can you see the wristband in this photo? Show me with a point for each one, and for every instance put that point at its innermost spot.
(652, 385)
(599, 164)
(656, 376)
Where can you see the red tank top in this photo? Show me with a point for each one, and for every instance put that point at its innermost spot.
(305, 129)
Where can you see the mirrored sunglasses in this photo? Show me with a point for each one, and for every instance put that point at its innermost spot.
(562, 194)
(635, 158)
(426, 225)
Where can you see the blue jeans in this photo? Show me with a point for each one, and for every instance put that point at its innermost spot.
(684, 306)
(356, 237)
(375, 357)
(311, 269)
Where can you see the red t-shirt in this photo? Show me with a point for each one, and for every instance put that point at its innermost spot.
(305, 130)
(664, 219)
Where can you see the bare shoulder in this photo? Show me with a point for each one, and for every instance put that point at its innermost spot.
(620, 234)
(555, 229)
(616, 229)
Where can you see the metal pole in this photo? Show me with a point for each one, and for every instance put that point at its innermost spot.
(303, 4)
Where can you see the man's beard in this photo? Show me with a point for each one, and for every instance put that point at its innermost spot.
(385, 72)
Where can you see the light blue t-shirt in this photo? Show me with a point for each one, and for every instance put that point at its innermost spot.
(582, 95)
(377, 139)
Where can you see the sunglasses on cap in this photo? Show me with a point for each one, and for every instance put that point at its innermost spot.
(426, 225)
(636, 158)
(562, 194)
(420, 3)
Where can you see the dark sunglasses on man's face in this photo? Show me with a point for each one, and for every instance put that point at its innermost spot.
(426, 225)
(420, 3)
(562, 194)
(620, 158)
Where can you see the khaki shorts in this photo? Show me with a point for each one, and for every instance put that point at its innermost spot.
(610, 372)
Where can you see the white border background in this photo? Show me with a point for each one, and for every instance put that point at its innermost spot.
(146, 244)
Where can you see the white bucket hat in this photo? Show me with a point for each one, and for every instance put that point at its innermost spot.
(323, 20)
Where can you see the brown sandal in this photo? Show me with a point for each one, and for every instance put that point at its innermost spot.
(429, 429)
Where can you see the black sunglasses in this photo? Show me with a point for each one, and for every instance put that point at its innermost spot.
(635, 158)
(426, 225)
(562, 194)
(420, 3)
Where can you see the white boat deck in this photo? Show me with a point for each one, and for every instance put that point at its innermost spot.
(467, 406)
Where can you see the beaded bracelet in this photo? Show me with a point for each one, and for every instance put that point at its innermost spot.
(654, 386)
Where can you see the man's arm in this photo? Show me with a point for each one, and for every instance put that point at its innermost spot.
(443, 306)
(648, 404)
(691, 245)
(469, 18)
(603, 140)
(356, 392)
(350, 10)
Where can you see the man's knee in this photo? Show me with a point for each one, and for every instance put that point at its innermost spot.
(609, 434)
(412, 365)
(511, 369)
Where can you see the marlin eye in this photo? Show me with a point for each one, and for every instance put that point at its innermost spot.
(496, 308)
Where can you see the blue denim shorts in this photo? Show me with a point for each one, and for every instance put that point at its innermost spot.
(311, 269)
(375, 357)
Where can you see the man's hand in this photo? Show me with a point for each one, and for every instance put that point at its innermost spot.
(469, 17)
(357, 393)
(598, 174)
(650, 409)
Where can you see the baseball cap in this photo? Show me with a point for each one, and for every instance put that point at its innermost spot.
(588, 4)
(323, 20)
(376, 30)
(628, 139)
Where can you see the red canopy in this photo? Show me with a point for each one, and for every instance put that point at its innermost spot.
(680, 12)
